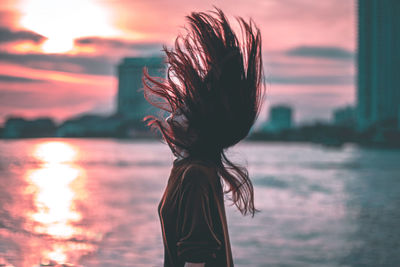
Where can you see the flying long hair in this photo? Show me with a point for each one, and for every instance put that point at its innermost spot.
(217, 82)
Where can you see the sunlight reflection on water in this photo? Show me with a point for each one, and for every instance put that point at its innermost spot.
(55, 187)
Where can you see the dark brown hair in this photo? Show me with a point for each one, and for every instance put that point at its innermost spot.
(217, 82)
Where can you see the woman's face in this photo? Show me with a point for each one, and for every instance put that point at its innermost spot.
(180, 126)
(177, 118)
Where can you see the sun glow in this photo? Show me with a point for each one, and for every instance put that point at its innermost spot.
(62, 21)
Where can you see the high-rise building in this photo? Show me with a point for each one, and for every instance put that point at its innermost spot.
(378, 92)
(130, 100)
(344, 116)
(280, 118)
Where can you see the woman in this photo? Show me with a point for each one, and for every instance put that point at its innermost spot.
(214, 90)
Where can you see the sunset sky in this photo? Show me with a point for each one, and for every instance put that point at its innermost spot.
(58, 57)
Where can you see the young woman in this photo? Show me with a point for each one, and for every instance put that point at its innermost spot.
(214, 90)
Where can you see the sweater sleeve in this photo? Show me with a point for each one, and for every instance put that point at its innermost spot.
(197, 239)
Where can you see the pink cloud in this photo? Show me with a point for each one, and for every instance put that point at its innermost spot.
(284, 23)
(58, 95)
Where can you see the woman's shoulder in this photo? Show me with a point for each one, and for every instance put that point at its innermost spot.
(198, 171)
(194, 163)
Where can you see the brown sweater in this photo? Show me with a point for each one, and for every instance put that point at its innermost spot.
(192, 215)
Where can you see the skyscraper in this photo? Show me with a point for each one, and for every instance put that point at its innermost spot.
(280, 118)
(378, 90)
(344, 116)
(130, 101)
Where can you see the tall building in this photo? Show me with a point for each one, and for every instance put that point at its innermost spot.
(378, 92)
(280, 118)
(344, 116)
(130, 100)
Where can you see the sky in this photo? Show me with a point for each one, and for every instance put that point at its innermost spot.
(58, 57)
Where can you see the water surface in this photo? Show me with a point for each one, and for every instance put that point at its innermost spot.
(86, 202)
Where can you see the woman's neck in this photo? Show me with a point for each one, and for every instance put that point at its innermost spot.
(181, 155)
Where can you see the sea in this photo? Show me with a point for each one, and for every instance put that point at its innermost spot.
(93, 202)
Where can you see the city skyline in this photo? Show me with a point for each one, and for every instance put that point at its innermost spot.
(308, 52)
